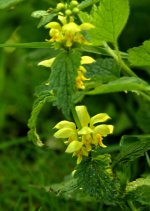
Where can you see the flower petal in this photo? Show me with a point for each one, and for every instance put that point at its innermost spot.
(65, 124)
(53, 25)
(47, 63)
(87, 60)
(74, 146)
(85, 130)
(102, 117)
(64, 133)
(104, 130)
(86, 26)
(83, 115)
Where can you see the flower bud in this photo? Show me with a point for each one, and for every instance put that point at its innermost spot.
(73, 3)
(75, 10)
(68, 12)
(60, 6)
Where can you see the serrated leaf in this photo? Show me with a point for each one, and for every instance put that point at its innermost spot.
(43, 97)
(132, 147)
(122, 84)
(109, 20)
(140, 56)
(139, 190)
(63, 79)
(4, 4)
(103, 70)
(96, 179)
(28, 45)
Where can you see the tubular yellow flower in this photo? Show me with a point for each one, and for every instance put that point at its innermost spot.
(82, 141)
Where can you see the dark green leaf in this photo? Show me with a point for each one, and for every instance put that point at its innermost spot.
(122, 84)
(95, 177)
(139, 190)
(87, 3)
(62, 79)
(140, 56)
(103, 70)
(132, 147)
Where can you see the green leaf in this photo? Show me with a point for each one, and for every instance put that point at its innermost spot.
(39, 13)
(132, 147)
(123, 84)
(103, 70)
(8, 3)
(43, 97)
(96, 179)
(109, 20)
(140, 56)
(63, 79)
(99, 50)
(139, 191)
(87, 3)
(46, 19)
(28, 45)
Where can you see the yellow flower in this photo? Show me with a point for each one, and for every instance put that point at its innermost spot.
(67, 33)
(80, 71)
(82, 140)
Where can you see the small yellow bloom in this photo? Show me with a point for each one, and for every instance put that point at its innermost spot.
(46, 63)
(82, 140)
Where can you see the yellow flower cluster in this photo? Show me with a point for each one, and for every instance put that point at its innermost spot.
(82, 140)
(80, 72)
(67, 33)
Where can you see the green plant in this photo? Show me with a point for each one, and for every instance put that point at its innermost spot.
(87, 61)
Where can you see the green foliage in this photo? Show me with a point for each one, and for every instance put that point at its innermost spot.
(139, 190)
(4, 4)
(96, 179)
(109, 20)
(62, 79)
(132, 147)
(140, 56)
(44, 96)
(122, 84)
(103, 70)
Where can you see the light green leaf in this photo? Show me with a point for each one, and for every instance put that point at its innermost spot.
(132, 147)
(139, 190)
(63, 79)
(140, 56)
(28, 45)
(122, 84)
(44, 96)
(39, 13)
(8, 3)
(109, 20)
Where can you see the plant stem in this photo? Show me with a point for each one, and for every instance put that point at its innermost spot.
(119, 60)
(147, 158)
(75, 116)
(131, 205)
(125, 68)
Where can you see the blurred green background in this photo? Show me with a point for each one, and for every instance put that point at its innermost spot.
(24, 168)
